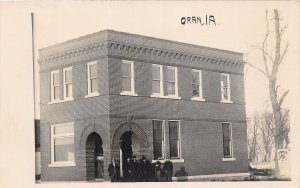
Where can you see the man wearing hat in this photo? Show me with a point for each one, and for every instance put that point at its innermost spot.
(168, 169)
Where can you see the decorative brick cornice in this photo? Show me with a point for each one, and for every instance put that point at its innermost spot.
(173, 54)
(139, 49)
(73, 53)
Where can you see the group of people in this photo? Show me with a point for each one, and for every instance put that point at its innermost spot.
(141, 170)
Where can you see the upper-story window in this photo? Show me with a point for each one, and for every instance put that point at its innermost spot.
(197, 90)
(225, 87)
(128, 87)
(157, 80)
(68, 83)
(92, 78)
(55, 85)
(172, 81)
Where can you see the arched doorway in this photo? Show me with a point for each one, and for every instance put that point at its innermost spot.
(128, 139)
(130, 145)
(94, 157)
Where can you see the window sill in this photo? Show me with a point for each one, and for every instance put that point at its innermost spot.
(197, 99)
(170, 97)
(157, 95)
(128, 93)
(59, 101)
(229, 159)
(165, 97)
(62, 164)
(172, 160)
(226, 101)
(92, 95)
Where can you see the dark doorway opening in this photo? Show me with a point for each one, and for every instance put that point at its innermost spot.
(94, 157)
(126, 145)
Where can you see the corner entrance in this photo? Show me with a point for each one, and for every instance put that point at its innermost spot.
(128, 140)
(130, 145)
(126, 145)
(94, 157)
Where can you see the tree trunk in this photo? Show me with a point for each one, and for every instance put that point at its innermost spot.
(279, 137)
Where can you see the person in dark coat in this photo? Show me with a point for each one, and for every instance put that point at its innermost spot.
(157, 171)
(136, 169)
(128, 170)
(149, 171)
(114, 171)
(143, 169)
(168, 169)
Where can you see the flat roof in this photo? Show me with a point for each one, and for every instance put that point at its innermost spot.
(135, 35)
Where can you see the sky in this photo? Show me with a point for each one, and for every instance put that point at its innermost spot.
(238, 28)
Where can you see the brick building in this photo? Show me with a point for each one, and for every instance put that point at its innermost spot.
(112, 94)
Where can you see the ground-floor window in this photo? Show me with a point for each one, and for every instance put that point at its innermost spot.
(174, 135)
(227, 140)
(62, 144)
(159, 139)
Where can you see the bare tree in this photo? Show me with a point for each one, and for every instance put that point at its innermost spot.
(286, 127)
(253, 136)
(272, 59)
(267, 130)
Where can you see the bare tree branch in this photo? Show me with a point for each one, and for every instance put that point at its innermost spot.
(282, 30)
(283, 97)
(263, 47)
(258, 69)
(266, 53)
(276, 89)
(283, 53)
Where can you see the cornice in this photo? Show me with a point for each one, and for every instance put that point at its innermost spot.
(173, 54)
(140, 49)
(77, 52)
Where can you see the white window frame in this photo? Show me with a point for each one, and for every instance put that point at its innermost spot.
(65, 84)
(132, 92)
(228, 158)
(52, 99)
(179, 139)
(175, 96)
(161, 94)
(228, 89)
(164, 139)
(53, 136)
(200, 98)
(96, 93)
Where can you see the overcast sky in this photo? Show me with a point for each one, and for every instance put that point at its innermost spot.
(238, 27)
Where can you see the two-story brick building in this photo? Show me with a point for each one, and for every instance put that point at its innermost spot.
(112, 94)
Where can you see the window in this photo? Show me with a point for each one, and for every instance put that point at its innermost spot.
(158, 139)
(62, 144)
(55, 85)
(197, 85)
(225, 87)
(67, 82)
(128, 78)
(157, 84)
(171, 81)
(227, 140)
(92, 78)
(174, 136)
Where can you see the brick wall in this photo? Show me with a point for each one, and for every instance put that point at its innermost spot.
(201, 131)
